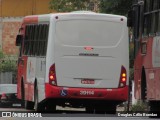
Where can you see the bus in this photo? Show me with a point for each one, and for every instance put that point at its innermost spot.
(76, 59)
(144, 18)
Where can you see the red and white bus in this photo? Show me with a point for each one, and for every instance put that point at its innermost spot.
(77, 59)
(145, 20)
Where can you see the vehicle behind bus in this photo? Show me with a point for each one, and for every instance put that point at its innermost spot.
(143, 18)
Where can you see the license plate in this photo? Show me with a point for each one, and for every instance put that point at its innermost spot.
(87, 81)
(16, 105)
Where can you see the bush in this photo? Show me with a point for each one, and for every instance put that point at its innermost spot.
(1, 55)
(139, 107)
(7, 65)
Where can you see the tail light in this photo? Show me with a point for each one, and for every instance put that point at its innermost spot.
(123, 77)
(3, 96)
(52, 75)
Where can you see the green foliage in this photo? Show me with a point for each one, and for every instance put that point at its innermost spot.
(119, 7)
(139, 107)
(7, 65)
(1, 55)
(68, 5)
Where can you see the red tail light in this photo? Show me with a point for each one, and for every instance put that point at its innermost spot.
(3, 97)
(88, 48)
(123, 77)
(52, 75)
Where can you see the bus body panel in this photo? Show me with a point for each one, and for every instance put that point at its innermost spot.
(31, 68)
(152, 71)
(36, 68)
(120, 94)
(102, 63)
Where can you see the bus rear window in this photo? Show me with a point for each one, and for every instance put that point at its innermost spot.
(89, 32)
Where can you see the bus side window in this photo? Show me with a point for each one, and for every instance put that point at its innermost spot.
(36, 37)
(158, 29)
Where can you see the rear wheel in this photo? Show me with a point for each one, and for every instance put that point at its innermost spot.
(39, 107)
(90, 109)
(29, 105)
(101, 108)
(154, 108)
(22, 94)
(143, 86)
(106, 108)
(50, 106)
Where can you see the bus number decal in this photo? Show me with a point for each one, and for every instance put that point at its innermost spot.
(85, 92)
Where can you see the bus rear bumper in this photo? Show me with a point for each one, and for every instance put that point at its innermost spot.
(119, 94)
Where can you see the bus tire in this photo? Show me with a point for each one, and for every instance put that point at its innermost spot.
(143, 86)
(39, 107)
(90, 109)
(29, 105)
(99, 110)
(154, 108)
(50, 106)
(22, 94)
(107, 108)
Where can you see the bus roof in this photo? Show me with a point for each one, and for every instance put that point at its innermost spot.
(46, 17)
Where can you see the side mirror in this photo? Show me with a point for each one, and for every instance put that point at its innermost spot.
(130, 18)
(19, 39)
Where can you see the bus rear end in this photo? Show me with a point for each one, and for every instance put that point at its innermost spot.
(90, 61)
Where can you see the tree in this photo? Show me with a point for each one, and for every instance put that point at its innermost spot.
(68, 5)
(119, 7)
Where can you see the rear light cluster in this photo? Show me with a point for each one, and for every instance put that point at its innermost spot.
(3, 96)
(123, 77)
(52, 75)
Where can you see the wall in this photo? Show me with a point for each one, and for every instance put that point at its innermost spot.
(11, 13)
(10, 27)
(14, 8)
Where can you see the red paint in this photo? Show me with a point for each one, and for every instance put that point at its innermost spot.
(52, 75)
(22, 65)
(22, 71)
(88, 48)
(153, 90)
(114, 94)
(30, 19)
(123, 77)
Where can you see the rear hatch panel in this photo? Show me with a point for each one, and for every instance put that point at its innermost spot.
(100, 63)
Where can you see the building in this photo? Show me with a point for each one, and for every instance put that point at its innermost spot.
(11, 14)
(17, 8)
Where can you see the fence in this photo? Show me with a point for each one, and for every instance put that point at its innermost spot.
(7, 78)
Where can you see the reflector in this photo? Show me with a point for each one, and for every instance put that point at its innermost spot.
(123, 79)
(88, 48)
